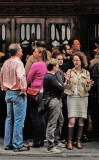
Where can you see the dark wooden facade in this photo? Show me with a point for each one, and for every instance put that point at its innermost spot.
(81, 15)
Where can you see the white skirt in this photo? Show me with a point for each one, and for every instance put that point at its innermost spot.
(77, 106)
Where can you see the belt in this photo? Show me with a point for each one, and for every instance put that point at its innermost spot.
(14, 90)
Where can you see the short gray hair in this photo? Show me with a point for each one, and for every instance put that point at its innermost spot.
(13, 48)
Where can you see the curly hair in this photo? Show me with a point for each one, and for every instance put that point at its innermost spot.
(82, 57)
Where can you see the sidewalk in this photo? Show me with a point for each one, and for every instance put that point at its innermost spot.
(90, 149)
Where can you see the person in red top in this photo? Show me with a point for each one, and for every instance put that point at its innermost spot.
(13, 82)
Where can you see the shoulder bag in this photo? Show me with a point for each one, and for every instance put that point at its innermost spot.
(33, 93)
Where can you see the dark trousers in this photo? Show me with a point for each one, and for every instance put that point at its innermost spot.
(94, 111)
(3, 112)
(64, 133)
(38, 121)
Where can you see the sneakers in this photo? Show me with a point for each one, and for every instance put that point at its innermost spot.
(54, 150)
(23, 148)
(61, 145)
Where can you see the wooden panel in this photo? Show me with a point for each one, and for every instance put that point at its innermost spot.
(45, 1)
(89, 2)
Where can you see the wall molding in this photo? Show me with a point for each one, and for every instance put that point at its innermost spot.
(48, 10)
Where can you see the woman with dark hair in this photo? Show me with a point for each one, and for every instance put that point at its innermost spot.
(77, 86)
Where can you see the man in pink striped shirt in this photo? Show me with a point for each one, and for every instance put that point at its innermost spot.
(13, 82)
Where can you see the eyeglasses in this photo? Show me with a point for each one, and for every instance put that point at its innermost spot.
(76, 60)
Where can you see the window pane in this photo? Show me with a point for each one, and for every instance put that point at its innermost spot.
(63, 32)
(28, 32)
(3, 32)
(38, 31)
(33, 28)
(22, 32)
(68, 32)
(52, 31)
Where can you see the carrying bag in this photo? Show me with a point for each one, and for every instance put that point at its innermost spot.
(32, 93)
(42, 108)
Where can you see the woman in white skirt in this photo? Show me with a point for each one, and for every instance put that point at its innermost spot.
(77, 85)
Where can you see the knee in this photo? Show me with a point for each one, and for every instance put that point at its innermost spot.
(71, 122)
(81, 122)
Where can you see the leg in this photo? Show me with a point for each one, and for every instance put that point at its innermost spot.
(70, 133)
(42, 123)
(38, 122)
(65, 115)
(9, 122)
(19, 108)
(59, 127)
(53, 115)
(35, 122)
(80, 132)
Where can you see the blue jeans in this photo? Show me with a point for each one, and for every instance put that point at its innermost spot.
(16, 112)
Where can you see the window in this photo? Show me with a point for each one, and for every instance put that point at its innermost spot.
(59, 33)
(28, 30)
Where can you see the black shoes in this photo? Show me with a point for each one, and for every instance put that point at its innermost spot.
(9, 148)
(39, 144)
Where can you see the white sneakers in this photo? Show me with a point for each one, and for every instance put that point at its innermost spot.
(61, 145)
(54, 150)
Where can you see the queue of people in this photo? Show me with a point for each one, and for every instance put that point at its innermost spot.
(64, 78)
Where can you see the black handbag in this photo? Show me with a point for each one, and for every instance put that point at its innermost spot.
(42, 108)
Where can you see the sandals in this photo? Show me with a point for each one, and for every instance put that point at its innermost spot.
(23, 148)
